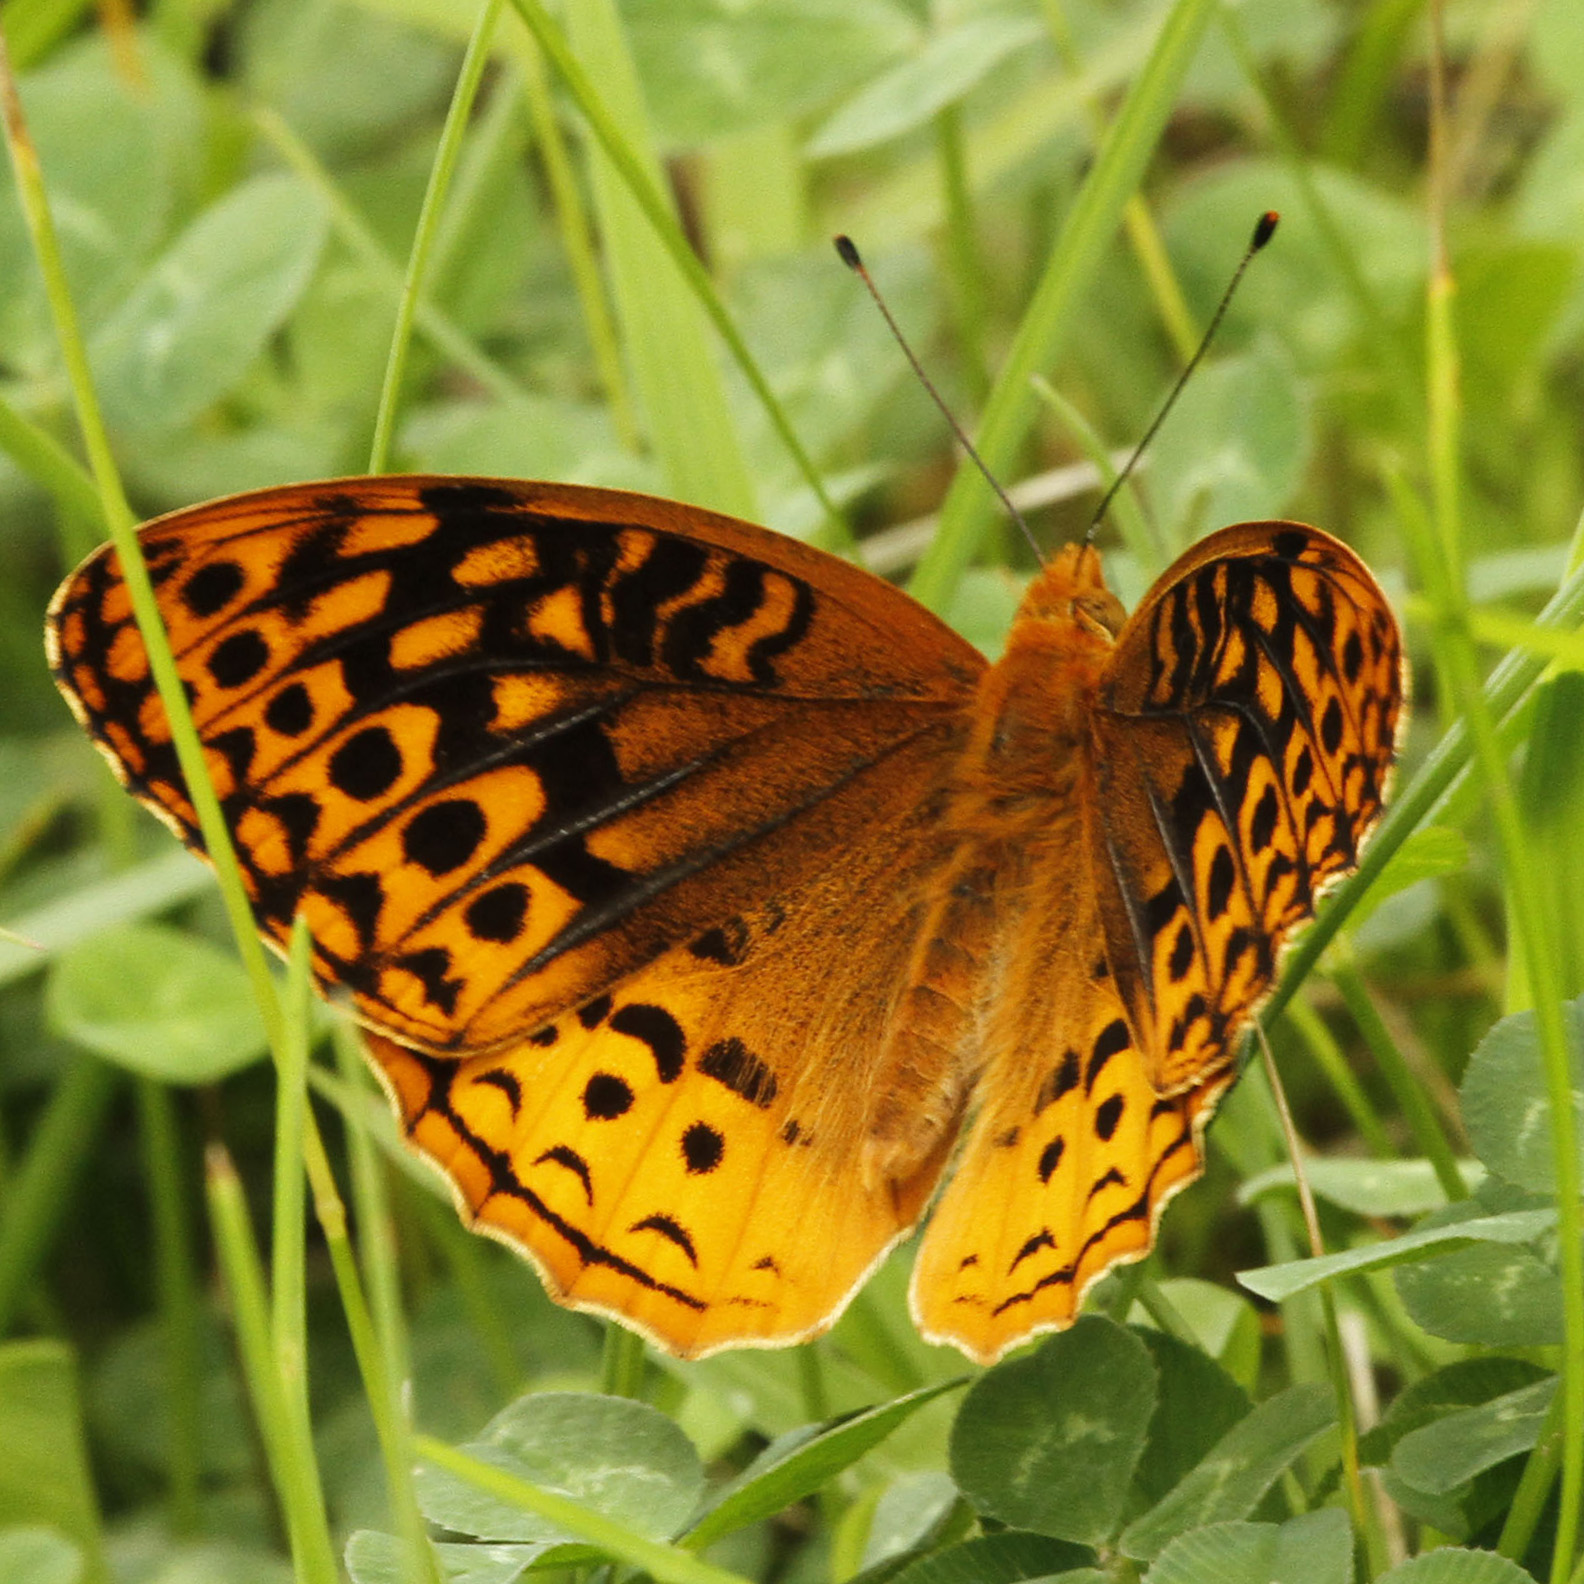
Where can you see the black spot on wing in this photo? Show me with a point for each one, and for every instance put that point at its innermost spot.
(731, 1063)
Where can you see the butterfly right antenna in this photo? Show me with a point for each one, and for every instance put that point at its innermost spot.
(1264, 230)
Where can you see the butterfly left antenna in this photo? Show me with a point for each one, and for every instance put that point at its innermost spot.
(849, 255)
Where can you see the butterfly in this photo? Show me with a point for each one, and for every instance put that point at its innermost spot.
(708, 902)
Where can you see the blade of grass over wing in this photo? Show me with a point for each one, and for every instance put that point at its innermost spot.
(629, 165)
(1441, 568)
(429, 216)
(577, 241)
(288, 1447)
(120, 522)
(1086, 234)
(679, 386)
(180, 1302)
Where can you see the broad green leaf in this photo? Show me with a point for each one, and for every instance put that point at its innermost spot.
(344, 79)
(1428, 854)
(1236, 447)
(621, 1459)
(44, 1476)
(1279, 1282)
(1049, 1442)
(1374, 1188)
(375, 1558)
(1426, 1402)
(907, 96)
(1492, 1295)
(1314, 1548)
(908, 1513)
(1446, 1454)
(157, 1001)
(33, 1555)
(190, 330)
(1004, 1558)
(801, 1462)
(112, 167)
(1222, 1321)
(1505, 1105)
(1451, 1565)
(146, 888)
(1244, 1464)
(1197, 1403)
(714, 68)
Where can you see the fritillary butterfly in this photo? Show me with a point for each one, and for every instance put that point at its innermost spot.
(704, 895)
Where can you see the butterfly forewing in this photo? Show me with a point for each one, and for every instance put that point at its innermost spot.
(502, 744)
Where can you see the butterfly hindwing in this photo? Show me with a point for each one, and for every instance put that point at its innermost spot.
(1243, 741)
(687, 1151)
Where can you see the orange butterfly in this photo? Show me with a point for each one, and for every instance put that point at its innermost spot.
(705, 895)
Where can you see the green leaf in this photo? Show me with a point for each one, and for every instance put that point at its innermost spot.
(621, 1459)
(1450, 1452)
(1491, 1295)
(191, 329)
(907, 96)
(44, 1475)
(375, 1558)
(157, 1001)
(1374, 1188)
(801, 1462)
(1002, 1558)
(1244, 1464)
(1236, 446)
(715, 68)
(1198, 1402)
(1426, 1402)
(33, 1555)
(112, 182)
(1314, 1548)
(1280, 1282)
(909, 1513)
(1428, 854)
(1049, 1441)
(1505, 1105)
(1450, 1565)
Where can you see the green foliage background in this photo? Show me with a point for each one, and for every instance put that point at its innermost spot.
(1043, 187)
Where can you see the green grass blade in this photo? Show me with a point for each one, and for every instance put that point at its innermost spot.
(1079, 254)
(429, 217)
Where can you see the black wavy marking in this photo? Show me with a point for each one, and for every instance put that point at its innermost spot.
(1138, 1210)
(504, 1181)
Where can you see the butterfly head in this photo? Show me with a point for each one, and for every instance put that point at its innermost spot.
(1070, 588)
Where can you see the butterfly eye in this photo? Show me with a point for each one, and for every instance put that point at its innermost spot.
(1101, 612)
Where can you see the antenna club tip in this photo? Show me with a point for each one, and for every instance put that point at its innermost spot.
(847, 252)
(1264, 229)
